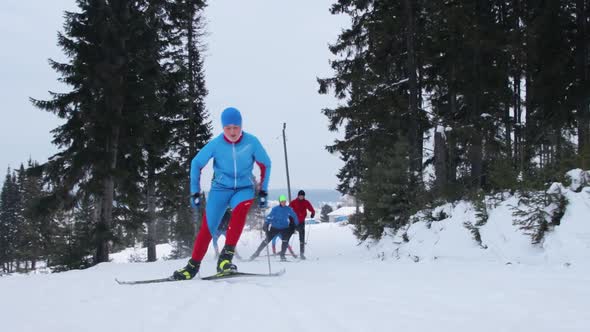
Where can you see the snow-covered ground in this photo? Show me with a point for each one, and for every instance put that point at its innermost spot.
(341, 287)
(439, 280)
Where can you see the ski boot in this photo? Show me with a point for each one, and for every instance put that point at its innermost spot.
(292, 252)
(224, 264)
(301, 251)
(188, 272)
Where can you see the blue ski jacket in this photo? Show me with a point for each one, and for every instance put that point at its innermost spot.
(232, 163)
(279, 217)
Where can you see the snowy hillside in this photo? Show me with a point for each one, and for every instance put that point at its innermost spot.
(341, 287)
(501, 240)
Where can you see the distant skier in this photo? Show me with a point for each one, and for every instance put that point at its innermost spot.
(281, 219)
(300, 205)
(234, 153)
(274, 243)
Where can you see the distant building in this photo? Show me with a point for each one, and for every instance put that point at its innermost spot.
(342, 214)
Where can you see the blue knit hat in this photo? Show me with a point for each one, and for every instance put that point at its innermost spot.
(231, 116)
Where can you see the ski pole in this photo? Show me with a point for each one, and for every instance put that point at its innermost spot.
(267, 250)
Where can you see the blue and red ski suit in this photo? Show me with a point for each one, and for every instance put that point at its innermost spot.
(232, 185)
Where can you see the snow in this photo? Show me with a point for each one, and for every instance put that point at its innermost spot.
(344, 211)
(139, 254)
(501, 240)
(441, 280)
(578, 178)
(341, 287)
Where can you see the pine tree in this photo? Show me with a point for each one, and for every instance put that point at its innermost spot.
(386, 191)
(72, 239)
(186, 92)
(10, 222)
(550, 75)
(96, 40)
(30, 243)
(127, 117)
(377, 78)
(538, 212)
(326, 209)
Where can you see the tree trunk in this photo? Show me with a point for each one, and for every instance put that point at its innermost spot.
(415, 134)
(517, 120)
(526, 147)
(517, 77)
(476, 160)
(451, 145)
(582, 70)
(151, 215)
(508, 125)
(440, 161)
(476, 148)
(104, 227)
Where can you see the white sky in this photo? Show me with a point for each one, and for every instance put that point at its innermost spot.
(262, 57)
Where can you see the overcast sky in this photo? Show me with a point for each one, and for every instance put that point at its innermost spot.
(262, 57)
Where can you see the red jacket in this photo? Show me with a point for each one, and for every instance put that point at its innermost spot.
(301, 206)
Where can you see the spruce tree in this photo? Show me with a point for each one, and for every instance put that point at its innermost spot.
(186, 92)
(326, 209)
(378, 81)
(30, 243)
(10, 222)
(98, 41)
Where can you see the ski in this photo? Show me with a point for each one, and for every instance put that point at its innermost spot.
(148, 281)
(220, 276)
(277, 259)
(217, 276)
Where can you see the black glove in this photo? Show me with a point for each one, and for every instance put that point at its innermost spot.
(262, 199)
(196, 200)
(312, 215)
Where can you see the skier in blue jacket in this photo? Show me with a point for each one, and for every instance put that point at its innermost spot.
(234, 154)
(280, 220)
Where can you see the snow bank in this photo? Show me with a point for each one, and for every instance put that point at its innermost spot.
(501, 240)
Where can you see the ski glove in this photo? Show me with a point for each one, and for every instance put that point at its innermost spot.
(312, 215)
(196, 200)
(262, 199)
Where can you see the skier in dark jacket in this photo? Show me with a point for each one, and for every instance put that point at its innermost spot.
(274, 245)
(234, 154)
(281, 219)
(300, 205)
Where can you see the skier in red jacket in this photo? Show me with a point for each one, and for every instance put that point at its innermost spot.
(300, 205)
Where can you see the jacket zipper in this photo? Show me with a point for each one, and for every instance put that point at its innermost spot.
(235, 166)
